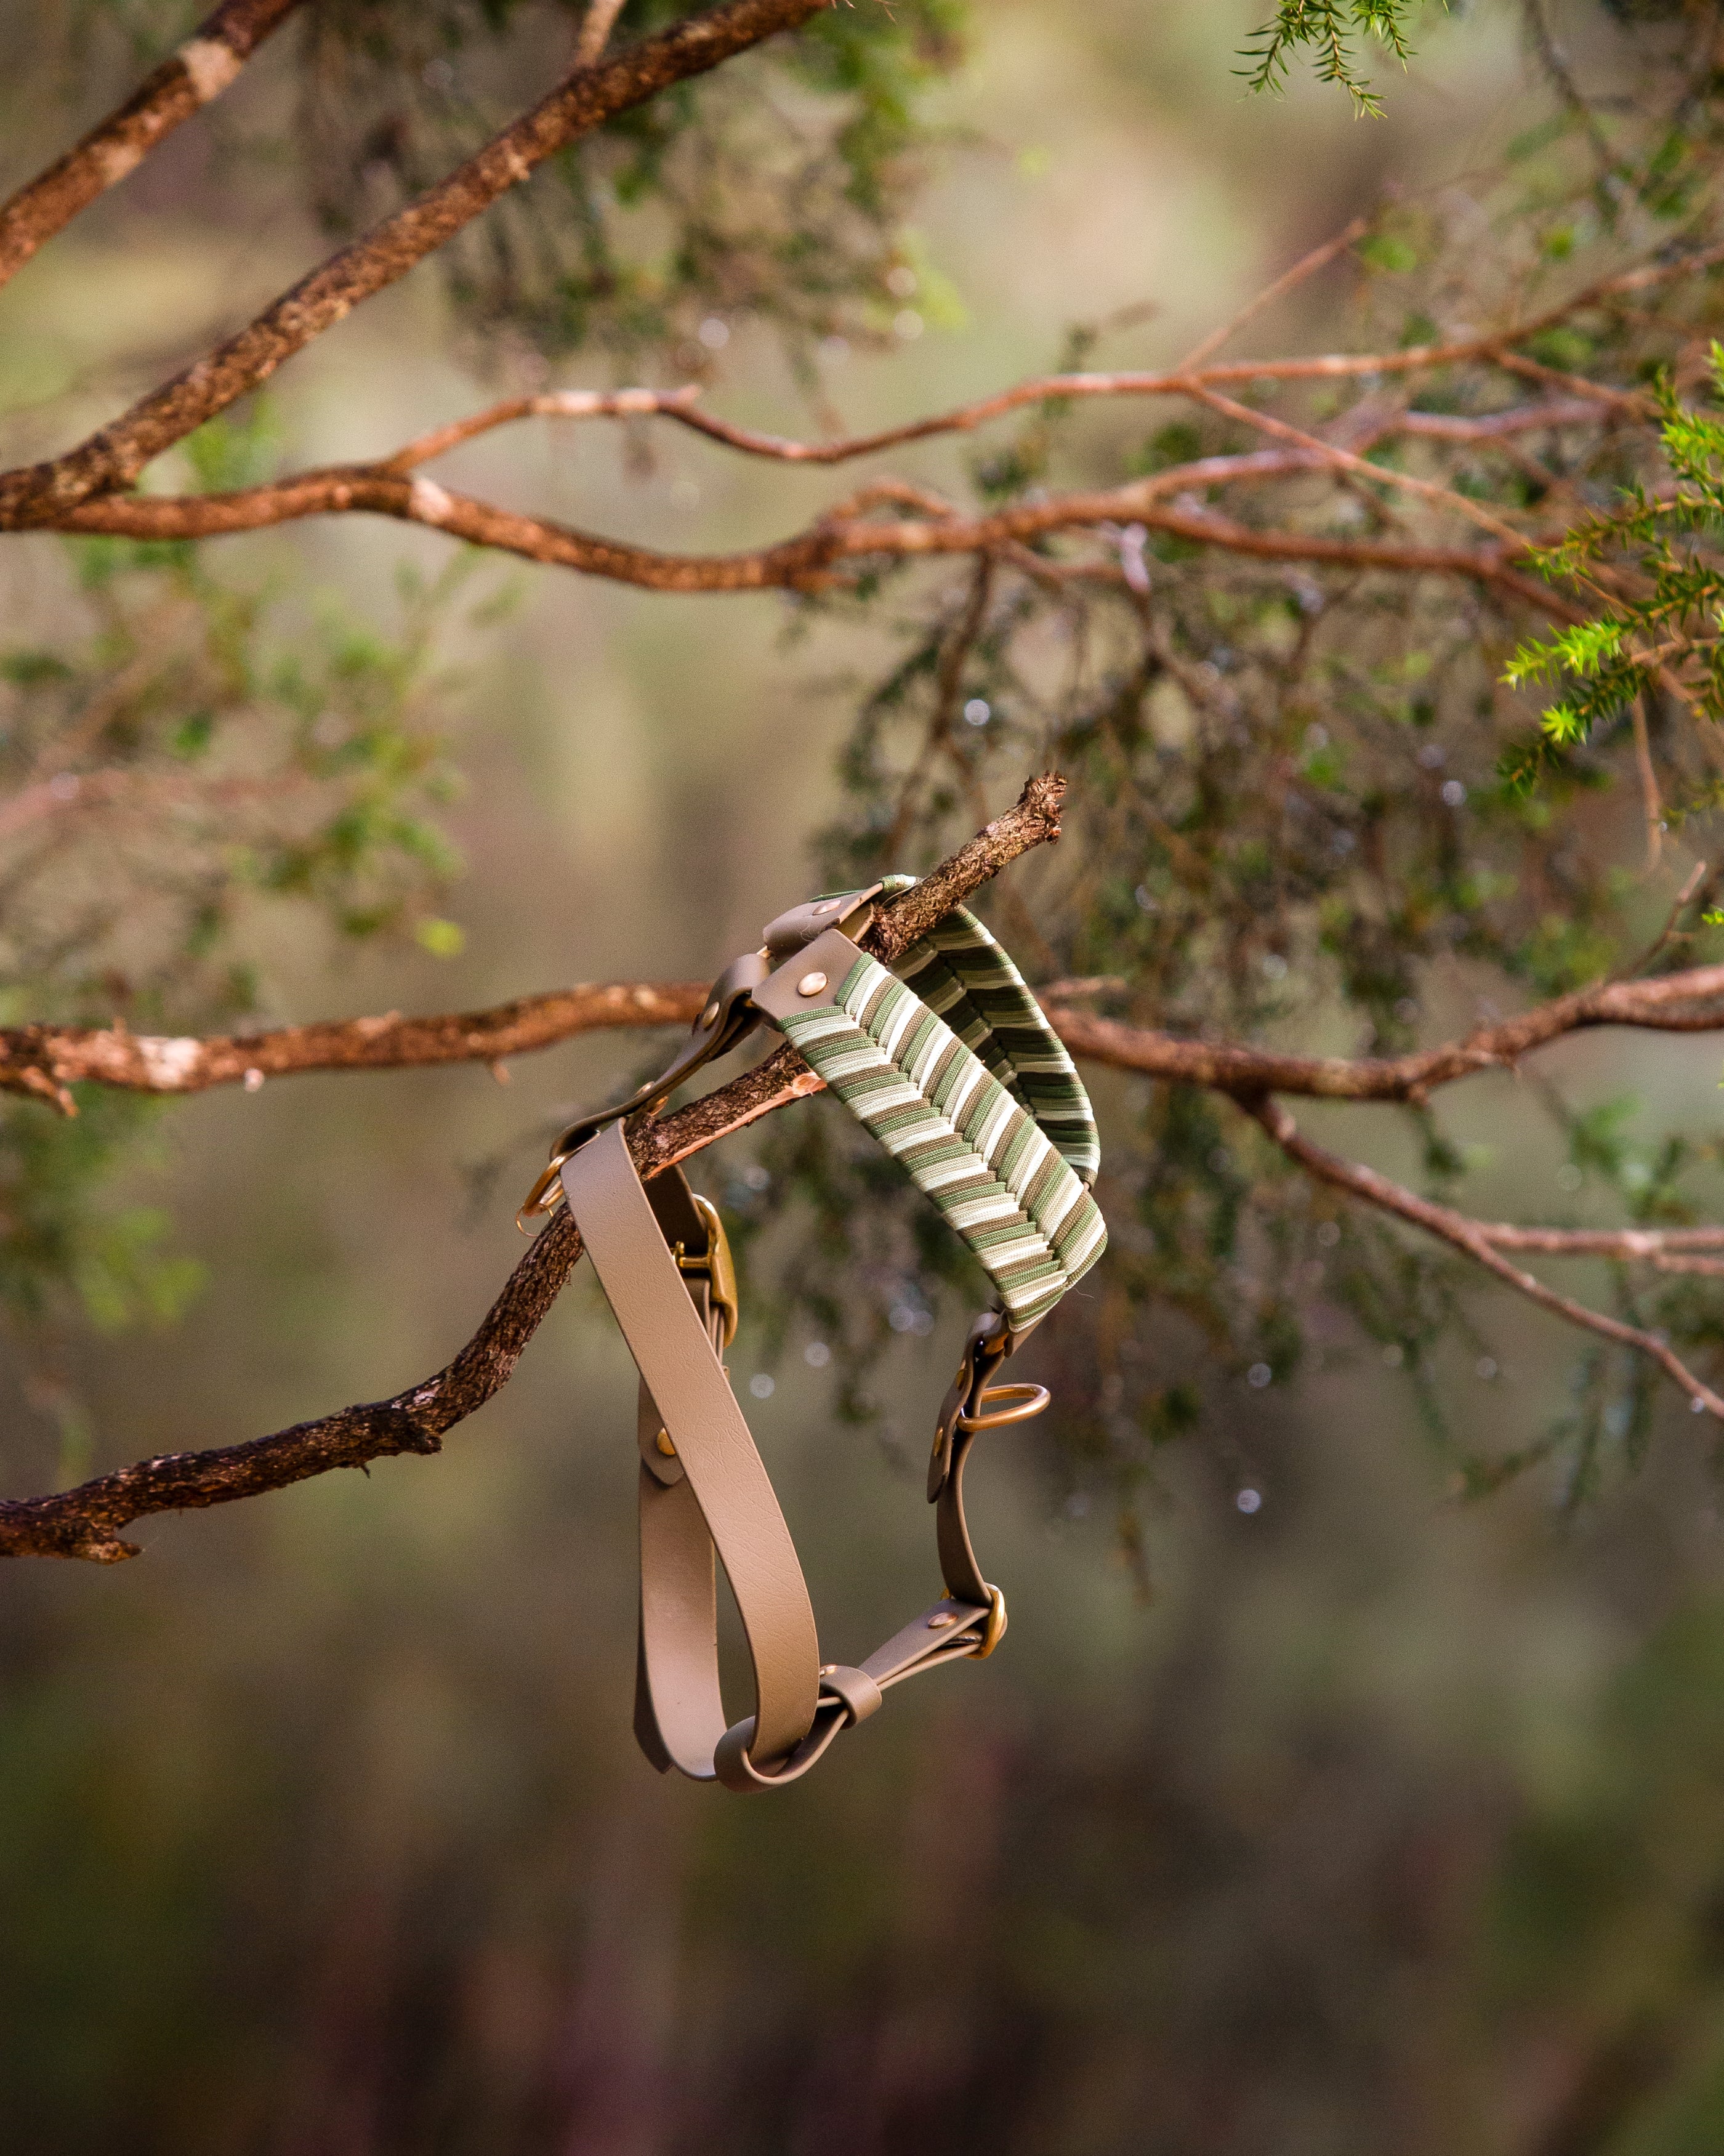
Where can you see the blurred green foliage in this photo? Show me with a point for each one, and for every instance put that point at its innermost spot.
(201, 747)
(1304, 807)
(1384, 1826)
(771, 193)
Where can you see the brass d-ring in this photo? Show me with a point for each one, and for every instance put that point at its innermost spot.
(995, 1628)
(1022, 1402)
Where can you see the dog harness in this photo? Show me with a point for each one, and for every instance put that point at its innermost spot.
(948, 1060)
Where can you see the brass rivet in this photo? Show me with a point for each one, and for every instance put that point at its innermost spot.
(828, 906)
(941, 1618)
(811, 984)
(664, 1446)
(828, 1669)
(708, 1015)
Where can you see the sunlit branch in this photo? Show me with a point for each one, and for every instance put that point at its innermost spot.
(1692, 1002)
(682, 406)
(198, 71)
(39, 495)
(815, 559)
(46, 1060)
(86, 1521)
(41, 1059)
(114, 456)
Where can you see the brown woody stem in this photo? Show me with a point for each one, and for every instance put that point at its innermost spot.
(186, 80)
(37, 494)
(1479, 1242)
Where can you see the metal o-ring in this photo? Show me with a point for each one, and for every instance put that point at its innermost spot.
(1022, 1402)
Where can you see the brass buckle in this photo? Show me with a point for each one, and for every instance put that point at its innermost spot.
(718, 1265)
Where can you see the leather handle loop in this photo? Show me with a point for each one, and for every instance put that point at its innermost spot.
(729, 1484)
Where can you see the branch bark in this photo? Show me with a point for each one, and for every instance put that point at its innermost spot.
(35, 496)
(43, 1059)
(86, 1521)
(1691, 1002)
(810, 562)
(186, 80)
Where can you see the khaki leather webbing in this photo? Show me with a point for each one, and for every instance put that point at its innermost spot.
(681, 1370)
(712, 1493)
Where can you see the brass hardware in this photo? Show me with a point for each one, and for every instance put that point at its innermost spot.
(663, 1442)
(940, 1619)
(995, 1628)
(1022, 1402)
(536, 1200)
(716, 1263)
(811, 984)
(828, 1669)
(707, 1016)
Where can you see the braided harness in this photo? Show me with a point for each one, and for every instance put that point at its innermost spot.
(948, 1062)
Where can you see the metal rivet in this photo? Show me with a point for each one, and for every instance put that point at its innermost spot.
(828, 906)
(664, 1446)
(811, 984)
(941, 1618)
(708, 1015)
(828, 1669)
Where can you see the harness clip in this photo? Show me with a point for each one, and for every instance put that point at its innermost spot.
(716, 1263)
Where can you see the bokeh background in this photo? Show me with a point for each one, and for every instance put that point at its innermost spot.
(1378, 1824)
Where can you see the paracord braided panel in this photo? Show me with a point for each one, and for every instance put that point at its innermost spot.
(968, 1144)
(966, 978)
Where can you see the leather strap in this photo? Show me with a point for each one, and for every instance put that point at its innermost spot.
(681, 1371)
(703, 1489)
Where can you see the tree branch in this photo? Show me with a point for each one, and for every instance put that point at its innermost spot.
(186, 81)
(43, 1059)
(1478, 1242)
(86, 1522)
(808, 562)
(35, 496)
(1692, 1002)
(682, 405)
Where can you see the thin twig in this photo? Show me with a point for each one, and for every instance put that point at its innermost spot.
(1555, 62)
(1289, 280)
(681, 405)
(1667, 934)
(1689, 1002)
(1470, 1236)
(1651, 801)
(596, 26)
(186, 80)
